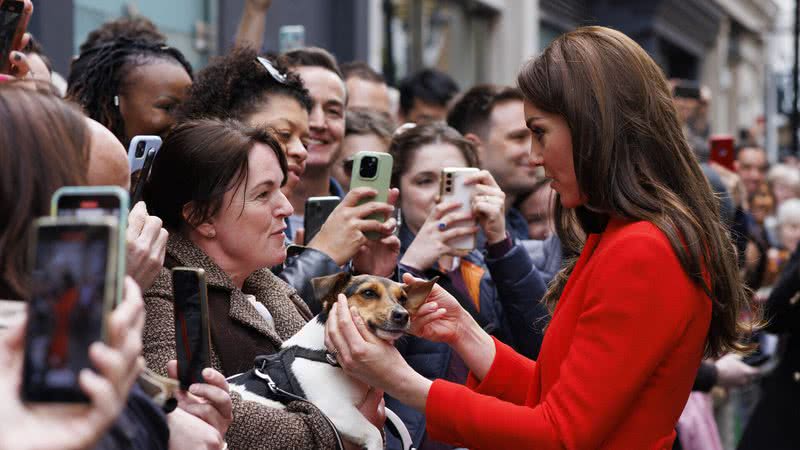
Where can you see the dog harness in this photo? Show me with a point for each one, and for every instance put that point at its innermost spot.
(278, 368)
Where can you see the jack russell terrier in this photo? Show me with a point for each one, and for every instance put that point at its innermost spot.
(304, 369)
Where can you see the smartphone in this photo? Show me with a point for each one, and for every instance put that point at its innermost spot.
(141, 153)
(372, 169)
(98, 201)
(686, 89)
(72, 290)
(291, 37)
(317, 210)
(192, 336)
(722, 151)
(453, 189)
(14, 16)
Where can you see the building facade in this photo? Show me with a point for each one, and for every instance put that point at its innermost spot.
(723, 44)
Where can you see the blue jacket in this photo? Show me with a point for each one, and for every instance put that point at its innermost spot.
(510, 290)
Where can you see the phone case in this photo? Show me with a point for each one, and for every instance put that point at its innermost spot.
(122, 222)
(453, 189)
(317, 210)
(722, 151)
(44, 323)
(380, 181)
(16, 41)
(206, 336)
(150, 142)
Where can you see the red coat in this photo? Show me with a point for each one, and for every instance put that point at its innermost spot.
(616, 366)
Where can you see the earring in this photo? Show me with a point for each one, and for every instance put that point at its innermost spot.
(116, 100)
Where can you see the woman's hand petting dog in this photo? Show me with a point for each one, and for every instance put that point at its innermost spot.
(441, 318)
(370, 359)
(209, 401)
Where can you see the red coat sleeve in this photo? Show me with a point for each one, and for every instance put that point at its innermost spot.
(624, 331)
(509, 377)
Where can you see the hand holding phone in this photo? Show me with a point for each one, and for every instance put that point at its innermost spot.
(142, 152)
(73, 285)
(317, 210)
(192, 335)
(454, 188)
(722, 151)
(14, 16)
(374, 170)
(107, 387)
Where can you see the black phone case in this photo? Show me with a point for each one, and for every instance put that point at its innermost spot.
(316, 213)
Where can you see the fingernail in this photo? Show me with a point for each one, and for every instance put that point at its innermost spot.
(194, 388)
(17, 56)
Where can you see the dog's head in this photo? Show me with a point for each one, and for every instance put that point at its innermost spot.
(384, 305)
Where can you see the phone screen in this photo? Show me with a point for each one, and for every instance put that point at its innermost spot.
(10, 15)
(65, 311)
(191, 338)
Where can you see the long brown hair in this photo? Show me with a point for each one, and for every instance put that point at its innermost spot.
(44, 145)
(632, 161)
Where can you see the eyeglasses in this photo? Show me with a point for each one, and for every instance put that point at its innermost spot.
(277, 76)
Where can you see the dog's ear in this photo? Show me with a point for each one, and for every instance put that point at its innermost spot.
(328, 287)
(417, 293)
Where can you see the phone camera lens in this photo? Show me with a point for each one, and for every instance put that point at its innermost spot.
(140, 149)
(369, 167)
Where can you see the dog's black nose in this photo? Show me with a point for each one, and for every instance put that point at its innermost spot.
(399, 317)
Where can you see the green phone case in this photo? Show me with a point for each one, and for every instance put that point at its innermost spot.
(122, 222)
(380, 182)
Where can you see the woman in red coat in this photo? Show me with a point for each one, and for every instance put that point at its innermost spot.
(656, 287)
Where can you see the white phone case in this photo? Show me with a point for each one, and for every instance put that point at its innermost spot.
(150, 142)
(453, 189)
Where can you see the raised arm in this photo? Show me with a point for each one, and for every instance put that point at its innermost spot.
(253, 23)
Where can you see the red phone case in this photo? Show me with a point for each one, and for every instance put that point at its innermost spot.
(722, 151)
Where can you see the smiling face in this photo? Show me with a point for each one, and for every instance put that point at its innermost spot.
(151, 94)
(419, 184)
(248, 229)
(507, 148)
(289, 121)
(326, 121)
(551, 148)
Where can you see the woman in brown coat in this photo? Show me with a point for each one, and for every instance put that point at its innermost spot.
(216, 186)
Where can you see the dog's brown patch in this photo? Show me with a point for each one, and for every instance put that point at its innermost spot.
(375, 298)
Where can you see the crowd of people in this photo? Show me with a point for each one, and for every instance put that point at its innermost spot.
(617, 271)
